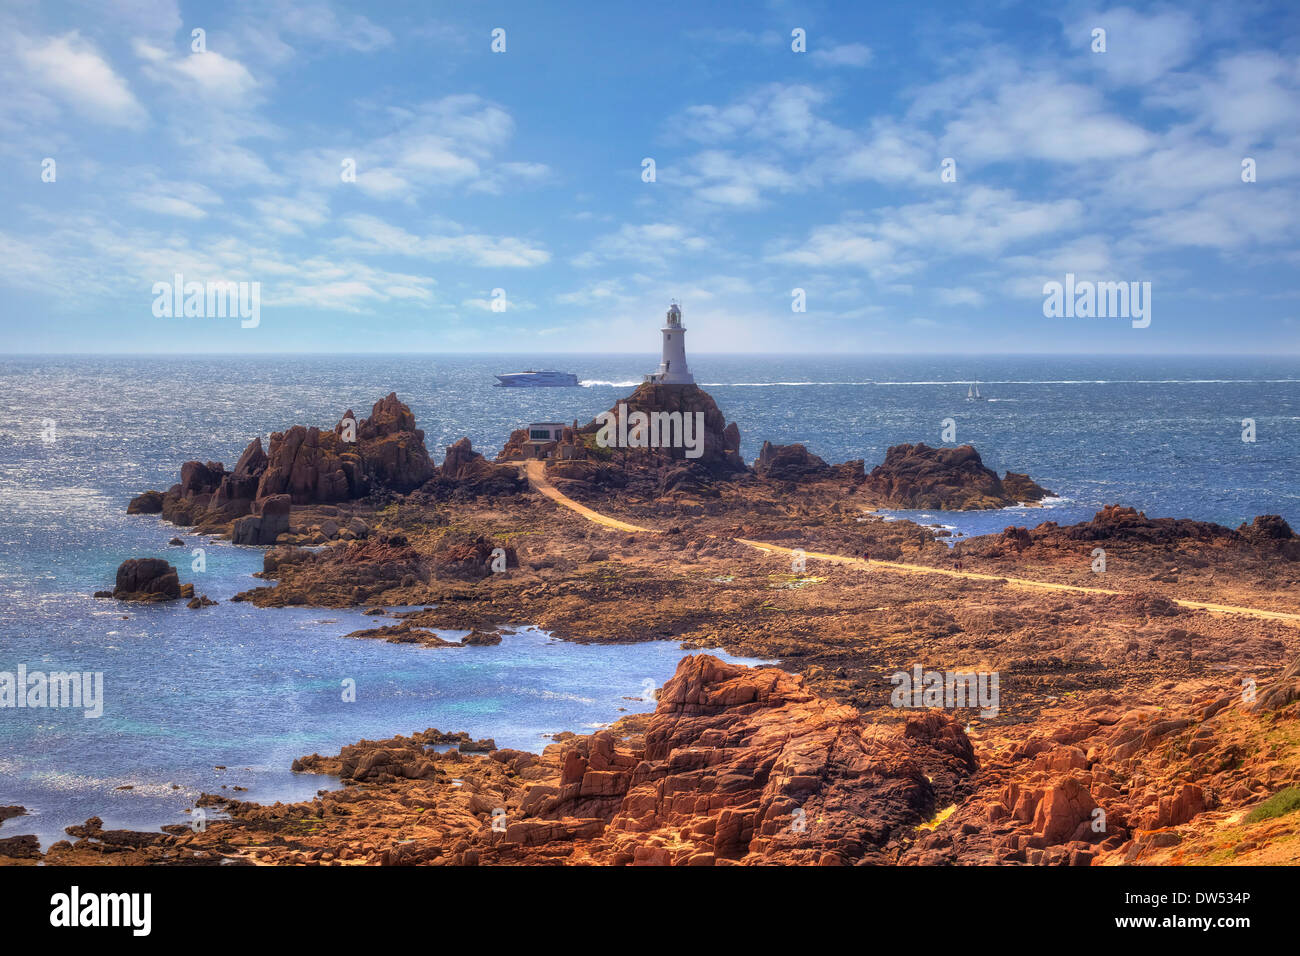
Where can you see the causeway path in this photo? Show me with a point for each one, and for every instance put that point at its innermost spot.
(536, 471)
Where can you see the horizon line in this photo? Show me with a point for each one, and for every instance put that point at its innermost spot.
(1217, 354)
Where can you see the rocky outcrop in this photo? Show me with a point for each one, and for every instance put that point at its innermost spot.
(1271, 533)
(24, 847)
(149, 503)
(1281, 692)
(950, 479)
(789, 463)
(146, 579)
(1118, 523)
(796, 463)
(1016, 538)
(392, 449)
(353, 573)
(466, 473)
(470, 558)
(270, 519)
(304, 466)
(720, 451)
(1193, 556)
(236, 492)
(743, 765)
(1021, 488)
(385, 450)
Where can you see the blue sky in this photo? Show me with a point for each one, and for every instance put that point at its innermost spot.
(774, 170)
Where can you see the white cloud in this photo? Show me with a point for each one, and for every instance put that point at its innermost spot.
(374, 236)
(1248, 214)
(1088, 257)
(890, 153)
(604, 292)
(210, 76)
(975, 221)
(960, 295)
(320, 23)
(650, 243)
(72, 70)
(724, 179)
(85, 254)
(181, 199)
(1139, 47)
(383, 183)
(838, 245)
(290, 215)
(485, 304)
(449, 143)
(775, 113)
(845, 54)
(233, 164)
(1249, 95)
(1041, 117)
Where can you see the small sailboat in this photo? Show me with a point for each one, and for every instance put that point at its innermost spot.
(973, 393)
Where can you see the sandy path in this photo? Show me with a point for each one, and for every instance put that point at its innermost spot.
(1012, 582)
(536, 471)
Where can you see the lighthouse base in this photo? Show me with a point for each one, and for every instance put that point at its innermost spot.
(665, 378)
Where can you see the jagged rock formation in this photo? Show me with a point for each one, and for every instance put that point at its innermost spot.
(1131, 784)
(951, 479)
(789, 463)
(744, 764)
(322, 467)
(304, 466)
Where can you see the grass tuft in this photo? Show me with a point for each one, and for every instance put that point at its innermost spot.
(1281, 803)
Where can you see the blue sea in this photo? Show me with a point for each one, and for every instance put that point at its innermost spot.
(250, 689)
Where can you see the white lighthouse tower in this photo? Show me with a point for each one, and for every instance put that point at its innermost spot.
(673, 369)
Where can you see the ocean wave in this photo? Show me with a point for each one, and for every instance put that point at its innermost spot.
(588, 383)
(550, 695)
(73, 782)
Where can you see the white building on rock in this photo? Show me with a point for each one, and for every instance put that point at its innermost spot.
(673, 369)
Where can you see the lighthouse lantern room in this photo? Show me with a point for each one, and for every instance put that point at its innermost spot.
(673, 369)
